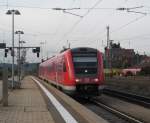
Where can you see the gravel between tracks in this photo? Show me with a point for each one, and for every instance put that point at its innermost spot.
(137, 85)
(110, 117)
(105, 114)
(134, 110)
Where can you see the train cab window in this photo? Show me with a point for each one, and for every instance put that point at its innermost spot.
(64, 67)
(85, 64)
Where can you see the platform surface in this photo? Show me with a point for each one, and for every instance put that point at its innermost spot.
(0, 90)
(29, 104)
(26, 105)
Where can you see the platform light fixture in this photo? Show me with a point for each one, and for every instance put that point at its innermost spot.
(13, 12)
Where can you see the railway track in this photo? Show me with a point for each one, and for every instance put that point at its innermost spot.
(141, 100)
(115, 112)
(118, 113)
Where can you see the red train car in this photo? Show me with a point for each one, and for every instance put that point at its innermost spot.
(75, 71)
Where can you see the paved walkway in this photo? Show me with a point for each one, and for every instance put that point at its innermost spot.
(0, 90)
(26, 105)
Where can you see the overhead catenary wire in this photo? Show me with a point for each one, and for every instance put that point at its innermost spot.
(77, 10)
(102, 32)
(125, 25)
(143, 36)
(77, 22)
(62, 16)
(51, 8)
(138, 18)
(89, 9)
(121, 27)
(130, 22)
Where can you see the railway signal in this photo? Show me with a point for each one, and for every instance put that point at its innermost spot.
(22, 59)
(6, 51)
(36, 50)
(2, 45)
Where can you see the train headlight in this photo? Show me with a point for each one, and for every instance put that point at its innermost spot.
(96, 80)
(77, 80)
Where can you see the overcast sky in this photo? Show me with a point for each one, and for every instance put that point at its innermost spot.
(42, 24)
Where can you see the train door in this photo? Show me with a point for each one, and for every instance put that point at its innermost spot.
(60, 71)
(64, 70)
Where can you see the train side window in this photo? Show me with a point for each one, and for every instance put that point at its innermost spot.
(64, 67)
(50, 68)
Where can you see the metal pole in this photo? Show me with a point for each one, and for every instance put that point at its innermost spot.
(42, 51)
(41, 46)
(13, 50)
(3, 56)
(108, 36)
(21, 65)
(110, 58)
(107, 51)
(19, 60)
(21, 44)
(5, 86)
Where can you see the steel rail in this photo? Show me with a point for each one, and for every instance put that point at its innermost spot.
(141, 100)
(117, 112)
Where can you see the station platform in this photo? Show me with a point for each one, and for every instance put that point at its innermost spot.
(29, 104)
(26, 105)
(0, 91)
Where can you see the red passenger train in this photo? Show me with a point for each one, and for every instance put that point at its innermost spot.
(75, 71)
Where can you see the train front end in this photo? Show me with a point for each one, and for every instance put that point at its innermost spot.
(88, 70)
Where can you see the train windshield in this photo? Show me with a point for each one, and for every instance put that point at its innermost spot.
(85, 64)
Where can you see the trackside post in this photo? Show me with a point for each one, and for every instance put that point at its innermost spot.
(5, 86)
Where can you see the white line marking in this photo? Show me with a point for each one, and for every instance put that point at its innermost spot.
(68, 118)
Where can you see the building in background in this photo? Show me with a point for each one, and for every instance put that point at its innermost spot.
(118, 57)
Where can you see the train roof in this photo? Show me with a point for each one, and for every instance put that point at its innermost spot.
(80, 49)
(74, 50)
(83, 49)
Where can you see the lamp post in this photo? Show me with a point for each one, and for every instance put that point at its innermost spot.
(19, 33)
(22, 42)
(13, 12)
(22, 59)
